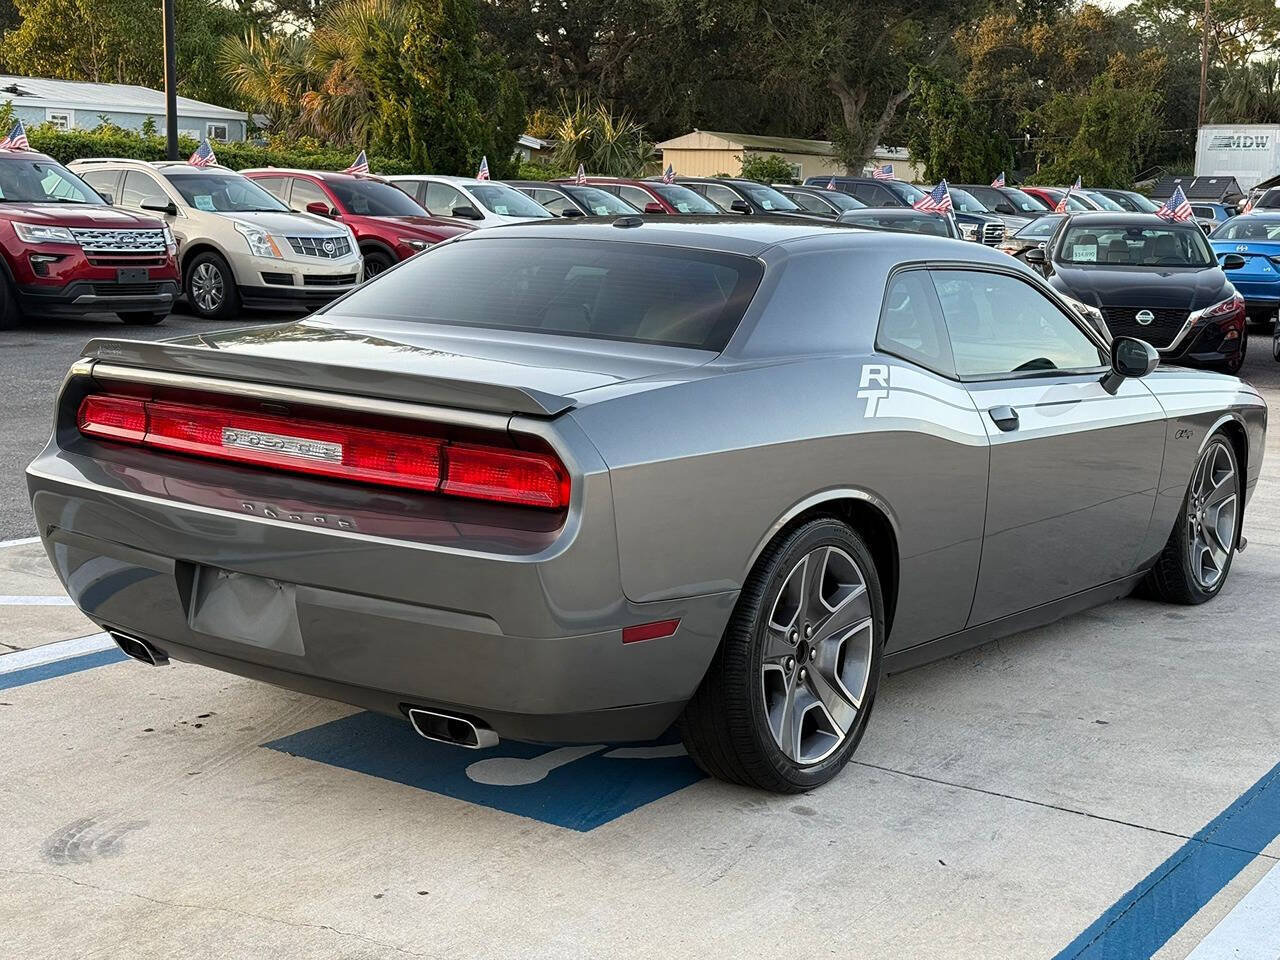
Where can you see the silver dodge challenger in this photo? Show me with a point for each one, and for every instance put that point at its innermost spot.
(576, 482)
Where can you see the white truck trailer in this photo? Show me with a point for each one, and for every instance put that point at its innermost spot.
(1248, 152)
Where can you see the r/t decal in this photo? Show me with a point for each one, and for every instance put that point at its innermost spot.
(877, 374)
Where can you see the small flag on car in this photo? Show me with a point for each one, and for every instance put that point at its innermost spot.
(483, 172)
(831, 184)
(1061, 205)
(360, 167)
(17, 138)
(1177, 209)
(884, 172)
(581, 175)
(669, 174)
(937, 200)
(998, 181)
(204, 155)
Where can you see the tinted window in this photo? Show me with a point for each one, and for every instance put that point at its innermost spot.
(1165, 246)
(1270, 199)
(684, 199)
(140, 188)
(304, 192)
(1249, 228)
(1205, 212)
(372, 198)
(633, 195)
(40, 181)
(812, 204)
(911, 324)
(615, 290)
(1000, 324)
(1103, 201)
(966, 202)
(721, 196)
(225, 193)
(275, 186)
(442, 198)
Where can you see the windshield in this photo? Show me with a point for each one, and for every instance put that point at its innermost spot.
(1074, 203)
(902, 222)
(1103, 201)
(373, 198)
(599, 203)
(1251, 227)
(766, 198)
(907, 192)
(1042, 227)
(842, 200)
(1174, 245)
(1024, 202)
(223, 193)
(966, 202)
(1143, 204)
(638, 292)
(684, 199)
(507, 201)
(43, 181)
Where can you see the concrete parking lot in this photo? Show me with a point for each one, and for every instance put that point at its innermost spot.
(1107, 786)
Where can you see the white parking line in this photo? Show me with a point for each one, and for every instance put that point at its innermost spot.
(1251, 931)
(19, 601)
(19, 542)
(52, 652)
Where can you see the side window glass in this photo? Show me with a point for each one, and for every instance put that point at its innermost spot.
(104, 181)
(911, 324)
(304, 192)
(555, 202)
(999, 324)
(811, 203)
(442, 198)
(634, 196)
(140, 188)
(276, 186)
(721, 196)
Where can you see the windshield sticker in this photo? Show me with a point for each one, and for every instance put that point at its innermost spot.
(501, 209)
(1084, 253)
(204, 201)
(601, 210)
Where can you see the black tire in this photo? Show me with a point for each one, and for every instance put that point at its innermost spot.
(139, 319)
(375, 261)
(726, 726)
(10, 310)
(205, 269)
(1173, 578)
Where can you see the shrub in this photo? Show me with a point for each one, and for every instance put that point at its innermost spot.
(766, 168)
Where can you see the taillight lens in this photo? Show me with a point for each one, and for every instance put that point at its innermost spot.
(385, 457)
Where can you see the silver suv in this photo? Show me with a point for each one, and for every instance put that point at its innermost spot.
(237, 244)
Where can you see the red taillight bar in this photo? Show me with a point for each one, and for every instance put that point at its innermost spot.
(314, 447)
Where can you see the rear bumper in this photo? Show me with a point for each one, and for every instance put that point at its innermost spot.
(528, 644)
(87, 296)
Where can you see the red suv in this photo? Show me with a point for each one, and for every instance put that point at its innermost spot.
(65, 252)
(654, 196)
(389, 225)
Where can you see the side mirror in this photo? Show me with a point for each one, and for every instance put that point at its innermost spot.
(1232, 261)
(572, 212)
(169, 209)
(1035, 257)
(740, 206)
(653, 206)
(1005, 208)
(107, 198)
(467, 212)
(1130, 357)
(321, 209)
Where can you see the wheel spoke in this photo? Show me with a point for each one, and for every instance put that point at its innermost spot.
(1224, 489)
(841, 711)
(786, 729)
(815, 572)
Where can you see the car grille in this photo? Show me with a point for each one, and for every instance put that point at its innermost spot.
(992, 233)
(327, 248)
(341, 280)
(127, 259)
(120, 241)
(126, 289)
(1122, 322)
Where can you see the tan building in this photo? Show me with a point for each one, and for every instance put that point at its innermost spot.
(705, 153)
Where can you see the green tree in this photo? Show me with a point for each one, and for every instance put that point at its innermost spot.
(603, 143)
(955, 138)
(766, 168)
(1248, 94)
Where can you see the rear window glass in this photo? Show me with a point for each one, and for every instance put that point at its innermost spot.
(643, 293)
(1249, 228)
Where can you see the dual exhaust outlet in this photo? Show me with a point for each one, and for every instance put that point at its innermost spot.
(429, 724)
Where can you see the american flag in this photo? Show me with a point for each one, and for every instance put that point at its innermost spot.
(884, 172)
(360, 167)
(483, 172)
(669, 174)
(1061, 205)
(937, 200)
(581, 176)
(998, 181)
(831, 184)
(204, 156)
(17, 138)
(1177, 209)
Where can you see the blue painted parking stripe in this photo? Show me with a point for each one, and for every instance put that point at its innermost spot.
(1144, 919)
(60, 668)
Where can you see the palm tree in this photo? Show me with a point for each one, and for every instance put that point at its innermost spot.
(270, 73)
(602, 143)
(1250, 94)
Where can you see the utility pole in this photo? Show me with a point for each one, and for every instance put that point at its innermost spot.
(171, 82)
(1200, 117)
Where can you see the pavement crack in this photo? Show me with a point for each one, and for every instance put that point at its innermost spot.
(216, 908)
(1062, 809)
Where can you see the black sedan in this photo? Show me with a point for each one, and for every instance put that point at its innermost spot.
(1136, 275)
(1033, 236)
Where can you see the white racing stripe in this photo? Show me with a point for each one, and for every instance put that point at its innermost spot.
(1251, 931)
(53, 652)
(63, 601)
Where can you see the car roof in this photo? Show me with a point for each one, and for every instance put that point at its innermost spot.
(26, 155)
(1114, 218)
(319, 174)
(441, 177)
(629, 181)
(736, 181)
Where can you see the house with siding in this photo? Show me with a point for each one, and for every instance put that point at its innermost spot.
(705, 153)
(75, 105)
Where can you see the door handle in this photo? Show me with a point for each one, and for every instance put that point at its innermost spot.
(1004, 417)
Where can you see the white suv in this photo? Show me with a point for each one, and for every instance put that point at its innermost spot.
(237, 244)
(482, 202)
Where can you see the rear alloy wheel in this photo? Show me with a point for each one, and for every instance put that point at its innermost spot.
(1197, 558)
(211, 287)
(787, 698)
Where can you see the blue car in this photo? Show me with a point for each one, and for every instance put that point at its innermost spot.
(1256, 237)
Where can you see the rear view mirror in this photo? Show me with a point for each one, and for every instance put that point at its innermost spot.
(320, 209)
(467, 212)
(653, 206)
(740, 206)
(1232, 261)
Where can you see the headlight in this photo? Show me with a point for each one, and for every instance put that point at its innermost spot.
(38, 233)
(170, 242)
(969, 231)
(414, 243)
(260, 242)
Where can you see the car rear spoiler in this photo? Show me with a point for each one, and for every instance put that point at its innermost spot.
(208, 361)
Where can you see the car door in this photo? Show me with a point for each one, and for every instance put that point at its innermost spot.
(1074, 466)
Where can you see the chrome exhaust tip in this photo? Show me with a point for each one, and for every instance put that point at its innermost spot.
(451, 729)
(139, 650)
